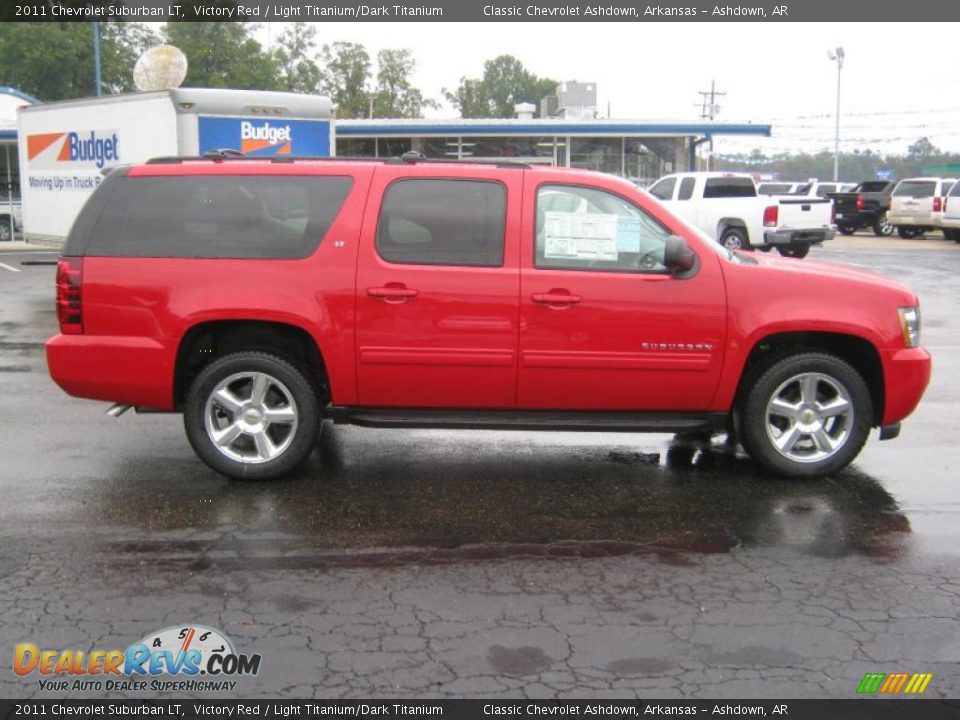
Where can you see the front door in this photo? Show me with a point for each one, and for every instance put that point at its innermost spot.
(437, 288)
(604, 326)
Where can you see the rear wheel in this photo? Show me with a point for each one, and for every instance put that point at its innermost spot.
(734, 239)
(6, 233)
(846, 228)
(252, 416)
(882, 227)
(951, 234)
(806, 415)
(794, 251)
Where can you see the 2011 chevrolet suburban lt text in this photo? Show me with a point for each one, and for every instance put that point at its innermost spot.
(259, 297)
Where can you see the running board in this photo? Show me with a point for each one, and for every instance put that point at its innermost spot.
(666, 422)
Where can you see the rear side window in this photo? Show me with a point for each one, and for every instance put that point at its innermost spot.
(916, 188)
(729, 188)
(686, 188)
(443, 222)
(218, 216)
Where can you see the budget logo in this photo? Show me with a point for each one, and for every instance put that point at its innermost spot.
(265, 139)
(73, 150)
(180, 658)
(894, 683)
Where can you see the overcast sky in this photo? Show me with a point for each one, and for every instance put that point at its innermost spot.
(772, 73)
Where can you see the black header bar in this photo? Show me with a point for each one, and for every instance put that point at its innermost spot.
(758, 11)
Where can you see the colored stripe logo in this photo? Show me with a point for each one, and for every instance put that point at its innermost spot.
(894, 683)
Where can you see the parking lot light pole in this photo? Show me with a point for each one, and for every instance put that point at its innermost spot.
(838, 55)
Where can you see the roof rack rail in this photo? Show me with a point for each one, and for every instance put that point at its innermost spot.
(407, 158)
(223, 153)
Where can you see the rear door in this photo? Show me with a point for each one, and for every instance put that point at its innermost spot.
(603, 325)
(437, 288)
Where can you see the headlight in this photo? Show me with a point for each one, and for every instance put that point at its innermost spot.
(910, 324)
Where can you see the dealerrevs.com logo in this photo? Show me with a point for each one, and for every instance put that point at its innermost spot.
(73, 150)
(184, 658)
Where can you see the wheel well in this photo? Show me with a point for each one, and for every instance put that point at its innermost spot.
(206, 342)
(729, 223)
(860, 353)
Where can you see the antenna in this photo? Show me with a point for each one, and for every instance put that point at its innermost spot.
(160, 68)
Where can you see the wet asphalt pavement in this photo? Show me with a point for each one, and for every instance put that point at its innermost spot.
(429, 563)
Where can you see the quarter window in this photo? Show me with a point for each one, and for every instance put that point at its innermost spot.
(582, 228)
(443, 222)
(218, 216)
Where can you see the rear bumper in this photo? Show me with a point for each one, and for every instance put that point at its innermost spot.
(129, 370)
(797, 237)
(906, 374)
(913, 219)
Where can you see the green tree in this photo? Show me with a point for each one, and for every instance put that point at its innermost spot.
(345, 78)
(505, 83)
(294, 56)
(55, 62)
(224, 55)
(395, 96)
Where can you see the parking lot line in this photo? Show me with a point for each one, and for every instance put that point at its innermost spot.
(8, 267)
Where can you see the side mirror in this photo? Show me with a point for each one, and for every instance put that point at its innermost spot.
(677, 255)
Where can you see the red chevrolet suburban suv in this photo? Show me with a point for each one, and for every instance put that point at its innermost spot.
(260, 296)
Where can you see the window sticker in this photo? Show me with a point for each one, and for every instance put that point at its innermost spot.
(581, 237)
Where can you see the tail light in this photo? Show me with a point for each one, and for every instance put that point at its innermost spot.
(771, 215)
(859, 202)
(938, 204)
(833, 213)
(945, 203)
(69, 301)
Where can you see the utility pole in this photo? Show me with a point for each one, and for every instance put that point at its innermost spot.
(709, 109)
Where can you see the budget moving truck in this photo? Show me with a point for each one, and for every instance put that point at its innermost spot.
(66, 146)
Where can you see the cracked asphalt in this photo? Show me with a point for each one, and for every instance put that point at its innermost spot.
(428, 564)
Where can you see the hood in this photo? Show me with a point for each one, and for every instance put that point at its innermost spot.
(820, 272)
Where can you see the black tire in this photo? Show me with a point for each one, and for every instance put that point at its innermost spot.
(881, 227)
(846, 228)
(776, 376)
(286, 382)
(951, 234)
(794, 251)
(735, 238)
(6, 232)
(908, 233)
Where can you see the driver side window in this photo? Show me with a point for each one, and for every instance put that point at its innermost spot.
(581, 228)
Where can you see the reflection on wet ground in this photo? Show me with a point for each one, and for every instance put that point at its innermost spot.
(385, 498)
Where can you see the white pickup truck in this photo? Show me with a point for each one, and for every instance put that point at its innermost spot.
(726, 207)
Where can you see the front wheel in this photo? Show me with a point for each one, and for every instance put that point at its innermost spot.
(908, 233)
(882, 226)
(807, 415)
(6, 230)
(734, 239)
(252, 416)
(794, 251)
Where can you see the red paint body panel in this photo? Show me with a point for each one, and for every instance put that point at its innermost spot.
(472, 337)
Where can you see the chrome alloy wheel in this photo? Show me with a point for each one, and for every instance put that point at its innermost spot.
(809, 417)
(251, 417)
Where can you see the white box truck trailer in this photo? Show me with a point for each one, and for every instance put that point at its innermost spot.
(65, 146)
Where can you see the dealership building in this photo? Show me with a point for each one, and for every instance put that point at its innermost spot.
(638, 150)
